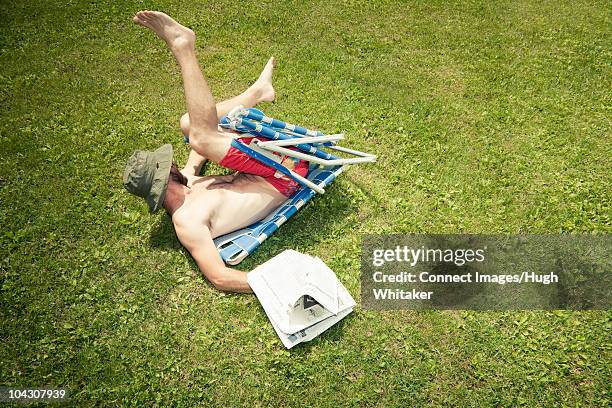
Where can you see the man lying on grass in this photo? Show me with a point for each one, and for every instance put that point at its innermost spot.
(203, 208)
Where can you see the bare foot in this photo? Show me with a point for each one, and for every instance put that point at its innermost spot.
(177, 37)
(263, 85)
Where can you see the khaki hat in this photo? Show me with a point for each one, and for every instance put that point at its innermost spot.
(146, 175)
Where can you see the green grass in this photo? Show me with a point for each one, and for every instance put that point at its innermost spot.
(487, 117)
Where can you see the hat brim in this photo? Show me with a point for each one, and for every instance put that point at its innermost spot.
(163, 160)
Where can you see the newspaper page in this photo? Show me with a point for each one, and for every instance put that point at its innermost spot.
(301, 296)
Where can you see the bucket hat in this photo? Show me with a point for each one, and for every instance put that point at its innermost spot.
(146, 175)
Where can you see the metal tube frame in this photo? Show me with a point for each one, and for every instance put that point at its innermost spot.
(282, 138)
(276, 146)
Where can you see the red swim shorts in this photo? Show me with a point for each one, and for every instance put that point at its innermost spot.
(237, 160)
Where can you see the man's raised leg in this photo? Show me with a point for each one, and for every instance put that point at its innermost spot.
(205, 138)
(262, 90)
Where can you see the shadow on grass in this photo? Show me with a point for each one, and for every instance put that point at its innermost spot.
(333, 335)
(367, 193)
(163, 235)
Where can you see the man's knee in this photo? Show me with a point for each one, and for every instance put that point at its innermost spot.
(184, 122)
(199, 139)
(209, 144)
(199, 142)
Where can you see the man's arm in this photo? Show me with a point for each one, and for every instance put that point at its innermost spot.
(197, 239)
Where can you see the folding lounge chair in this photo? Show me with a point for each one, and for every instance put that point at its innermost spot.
(323, 170)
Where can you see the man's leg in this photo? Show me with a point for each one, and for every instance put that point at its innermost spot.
(261, 91)
(205, 138)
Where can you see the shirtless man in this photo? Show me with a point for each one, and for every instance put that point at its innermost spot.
(203, 208)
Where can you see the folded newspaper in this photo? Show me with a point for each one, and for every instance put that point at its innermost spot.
(301, 296)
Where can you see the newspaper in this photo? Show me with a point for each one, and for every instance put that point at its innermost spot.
(301, 296)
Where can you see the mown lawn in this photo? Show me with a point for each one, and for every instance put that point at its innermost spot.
(486, 116)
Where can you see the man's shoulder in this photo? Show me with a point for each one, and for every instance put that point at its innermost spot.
(191, 215)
